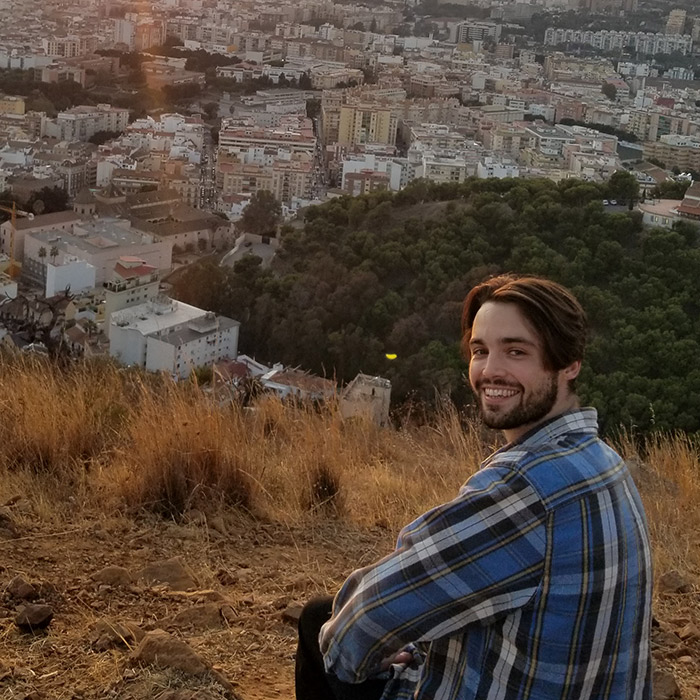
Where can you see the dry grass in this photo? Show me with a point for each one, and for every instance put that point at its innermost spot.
(100, 439)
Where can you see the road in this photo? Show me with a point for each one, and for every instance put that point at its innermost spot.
(207, 190)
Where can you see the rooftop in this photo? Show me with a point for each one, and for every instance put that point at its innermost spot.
(94, 236)
(192, 332)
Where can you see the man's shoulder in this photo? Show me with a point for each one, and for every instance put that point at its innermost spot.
(564, 468)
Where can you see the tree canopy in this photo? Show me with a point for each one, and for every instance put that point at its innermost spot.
(262, 214)
(387, 273)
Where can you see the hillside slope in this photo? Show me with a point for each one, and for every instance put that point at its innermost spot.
(102, 467)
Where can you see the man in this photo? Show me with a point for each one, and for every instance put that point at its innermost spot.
(535, 582)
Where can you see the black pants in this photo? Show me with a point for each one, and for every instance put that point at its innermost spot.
(311, 680)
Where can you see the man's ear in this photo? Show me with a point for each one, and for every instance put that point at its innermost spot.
(572, 371)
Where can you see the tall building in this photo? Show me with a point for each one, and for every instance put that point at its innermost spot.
(676, 22)
(695, 33)
(366, 123)
(469, 31)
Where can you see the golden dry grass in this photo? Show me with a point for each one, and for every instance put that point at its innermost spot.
(97, 438)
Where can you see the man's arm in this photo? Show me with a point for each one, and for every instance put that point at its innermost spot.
(473, 559)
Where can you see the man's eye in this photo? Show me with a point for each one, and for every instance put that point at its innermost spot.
(476, 352)
(515, 352)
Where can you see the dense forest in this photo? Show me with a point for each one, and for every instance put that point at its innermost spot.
(386, 274)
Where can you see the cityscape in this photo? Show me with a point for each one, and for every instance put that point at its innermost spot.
(134, 136)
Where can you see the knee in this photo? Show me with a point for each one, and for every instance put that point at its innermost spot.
(314, 614)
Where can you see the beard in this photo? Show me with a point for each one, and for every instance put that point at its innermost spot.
(530, 410)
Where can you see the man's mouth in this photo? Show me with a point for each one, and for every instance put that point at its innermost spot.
(499, 392)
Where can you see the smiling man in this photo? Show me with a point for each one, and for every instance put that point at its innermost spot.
(535, 581)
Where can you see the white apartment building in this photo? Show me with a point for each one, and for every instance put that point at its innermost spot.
(489, 167)
(82, 122)
(293, 133)
(610, 40)
(164, 335)
(362, 162)
(69, 46)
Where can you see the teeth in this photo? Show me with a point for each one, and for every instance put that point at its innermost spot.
(500, 393)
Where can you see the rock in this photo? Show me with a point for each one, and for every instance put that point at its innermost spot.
(116, 576)
(8, 529)
(665, 638)
(228, 612)
(292, 614)
(673, 582)
(226, 577)
(32, 618)
(106, 635)
(195, 517)
(217, 524)
(19, 589)
(665, 686)
(165, 651)
(200, 617)
(689, 632)
(171, 572)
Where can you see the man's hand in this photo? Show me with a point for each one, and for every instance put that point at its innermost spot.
(400, 657)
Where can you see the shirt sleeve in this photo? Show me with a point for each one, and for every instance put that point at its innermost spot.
(473, 559)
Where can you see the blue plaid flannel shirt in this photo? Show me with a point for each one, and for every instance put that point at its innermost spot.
(535, 582)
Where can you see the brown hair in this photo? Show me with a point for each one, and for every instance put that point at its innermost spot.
(551, 309)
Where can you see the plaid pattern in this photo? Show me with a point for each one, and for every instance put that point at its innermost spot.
(535, 582)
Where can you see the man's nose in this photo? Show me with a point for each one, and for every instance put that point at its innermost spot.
(492, 366)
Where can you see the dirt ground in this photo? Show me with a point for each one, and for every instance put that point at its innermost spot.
(262, 571)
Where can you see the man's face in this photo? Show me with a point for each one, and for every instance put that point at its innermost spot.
(514, 389)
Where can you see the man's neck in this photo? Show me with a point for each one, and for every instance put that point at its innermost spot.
(569, 403)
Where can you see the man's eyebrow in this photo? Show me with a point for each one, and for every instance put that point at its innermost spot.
(506, 341)
(517, 341)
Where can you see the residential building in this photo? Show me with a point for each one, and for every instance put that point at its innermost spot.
(133, 282)
(390, 168)
(674, 151)
(611, 40)
(676, 21)
(163, 335)
(690, 206)
(660, 213)
(366, 123)
(364, 182)
(69, 46)
(471, 30)
(82, 122)
(489, 167)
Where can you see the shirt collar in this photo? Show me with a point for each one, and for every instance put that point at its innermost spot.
(580, 420)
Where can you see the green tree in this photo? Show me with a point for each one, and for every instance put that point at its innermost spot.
(262, 214)
(623, 186)
(610, 91)
(671, 189)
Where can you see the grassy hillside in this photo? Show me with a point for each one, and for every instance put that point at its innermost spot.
(267, 506)
(102, 439)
